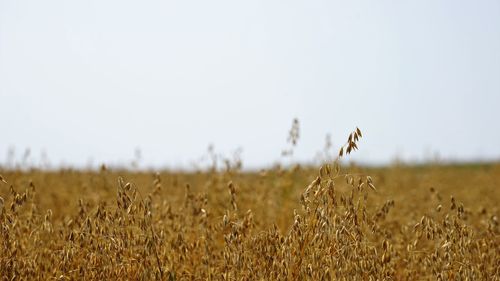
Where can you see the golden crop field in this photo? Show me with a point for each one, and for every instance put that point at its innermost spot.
(432, 222)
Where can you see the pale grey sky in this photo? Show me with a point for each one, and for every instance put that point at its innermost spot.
(95, 80)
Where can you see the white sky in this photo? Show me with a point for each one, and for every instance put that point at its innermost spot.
(95, 80)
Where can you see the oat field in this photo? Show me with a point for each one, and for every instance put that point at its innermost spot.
(334, 222)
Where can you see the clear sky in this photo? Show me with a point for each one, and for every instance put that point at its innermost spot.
(95, 80)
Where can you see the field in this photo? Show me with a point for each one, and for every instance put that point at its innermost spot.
(432, 222)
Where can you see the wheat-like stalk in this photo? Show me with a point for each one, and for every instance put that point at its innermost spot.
(296, 223)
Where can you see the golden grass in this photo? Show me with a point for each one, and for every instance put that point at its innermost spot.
(399, 223)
